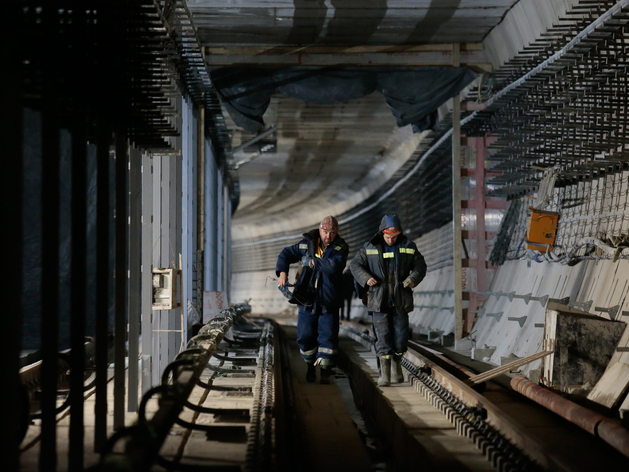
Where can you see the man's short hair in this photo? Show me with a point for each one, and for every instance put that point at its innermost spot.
(329, 223)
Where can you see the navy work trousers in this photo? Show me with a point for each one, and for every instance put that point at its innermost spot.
(391, 329)
(318, 334)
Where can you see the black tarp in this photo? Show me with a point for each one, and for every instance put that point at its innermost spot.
(413, 94)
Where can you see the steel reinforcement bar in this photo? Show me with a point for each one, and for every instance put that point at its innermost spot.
(144, 439)
(503, 441)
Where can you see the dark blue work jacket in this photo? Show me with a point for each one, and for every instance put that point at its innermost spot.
(324, 283)
(369, 262)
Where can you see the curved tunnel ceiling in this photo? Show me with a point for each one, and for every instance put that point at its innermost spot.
(329, 158)
(345, 22)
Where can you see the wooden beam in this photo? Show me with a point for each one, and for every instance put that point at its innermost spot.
(503, 369)
(411, 56)
(318, 49)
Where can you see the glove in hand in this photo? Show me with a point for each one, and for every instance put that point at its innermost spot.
(408, 283)
(287, 293)
(305, 261)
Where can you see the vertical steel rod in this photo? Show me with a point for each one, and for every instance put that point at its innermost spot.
(50, 253)
(120, 318)
(156, 251)
(200, 180)
(78, 268)
(135, 249)
(11, 123)
(211, 222)
(226, 241)
(78, 288)
(178, 229)
(456, 202)
(102, 284)
(147, 267)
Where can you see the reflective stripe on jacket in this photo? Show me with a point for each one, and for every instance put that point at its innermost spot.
(324, 283)
(369, 262)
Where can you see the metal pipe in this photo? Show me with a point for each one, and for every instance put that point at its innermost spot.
(456, 203)
(608, 429)
(262, 135)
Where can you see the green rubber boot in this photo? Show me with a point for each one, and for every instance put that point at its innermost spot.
(385, 372)
(397, 376)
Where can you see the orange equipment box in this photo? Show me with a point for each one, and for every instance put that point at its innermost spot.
(541, 230)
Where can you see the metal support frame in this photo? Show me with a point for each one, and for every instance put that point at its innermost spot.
(103, 282)
(121, 277)
(211, 221)
(135, 274)
(226, 240)
(201, 178)
(11, 122)
(166, 256)
(78, 274)
(156, 261)
(50, 272)
(220, 232)
(188, 216)
(456, 203)
(479, 235)
(147, 267)
(200, 207)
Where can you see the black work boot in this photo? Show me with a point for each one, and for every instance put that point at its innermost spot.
(311, 373)
(325, 375)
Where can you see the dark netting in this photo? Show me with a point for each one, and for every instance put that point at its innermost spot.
(413, 94)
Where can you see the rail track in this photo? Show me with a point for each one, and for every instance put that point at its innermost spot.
(231, 364)
(501, 437)
(229, 402)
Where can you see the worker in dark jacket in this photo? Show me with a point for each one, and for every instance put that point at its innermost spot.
(318, 292)
(390, 266)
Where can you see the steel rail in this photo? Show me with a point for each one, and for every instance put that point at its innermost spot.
(260, 436)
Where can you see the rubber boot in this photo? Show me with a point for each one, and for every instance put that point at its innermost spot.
(385, 372)
(397, 376)
(325, 375)
(311, 373)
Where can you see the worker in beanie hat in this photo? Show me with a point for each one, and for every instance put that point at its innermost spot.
(390, 265)
(318, 292)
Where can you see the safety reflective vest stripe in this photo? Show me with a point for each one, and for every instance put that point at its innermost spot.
(403, 250)
(326, 350)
